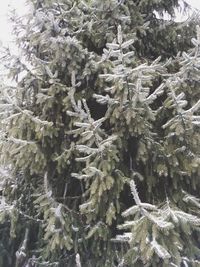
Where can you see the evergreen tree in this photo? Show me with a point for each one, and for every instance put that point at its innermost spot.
(100, 137)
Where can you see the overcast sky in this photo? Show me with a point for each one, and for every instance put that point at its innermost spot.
(20, 6)
(5, 28)
(194, 3)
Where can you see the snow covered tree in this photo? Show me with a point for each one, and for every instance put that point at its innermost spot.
(100, 137)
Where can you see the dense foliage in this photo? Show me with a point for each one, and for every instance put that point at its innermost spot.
(100, 137)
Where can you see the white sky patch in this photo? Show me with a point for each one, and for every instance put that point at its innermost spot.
(6, 37)
(194, 3)
(5, 26)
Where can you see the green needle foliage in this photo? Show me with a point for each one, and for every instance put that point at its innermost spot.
(99, 137)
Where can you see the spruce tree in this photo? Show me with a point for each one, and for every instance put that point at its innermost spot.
(100, 137)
